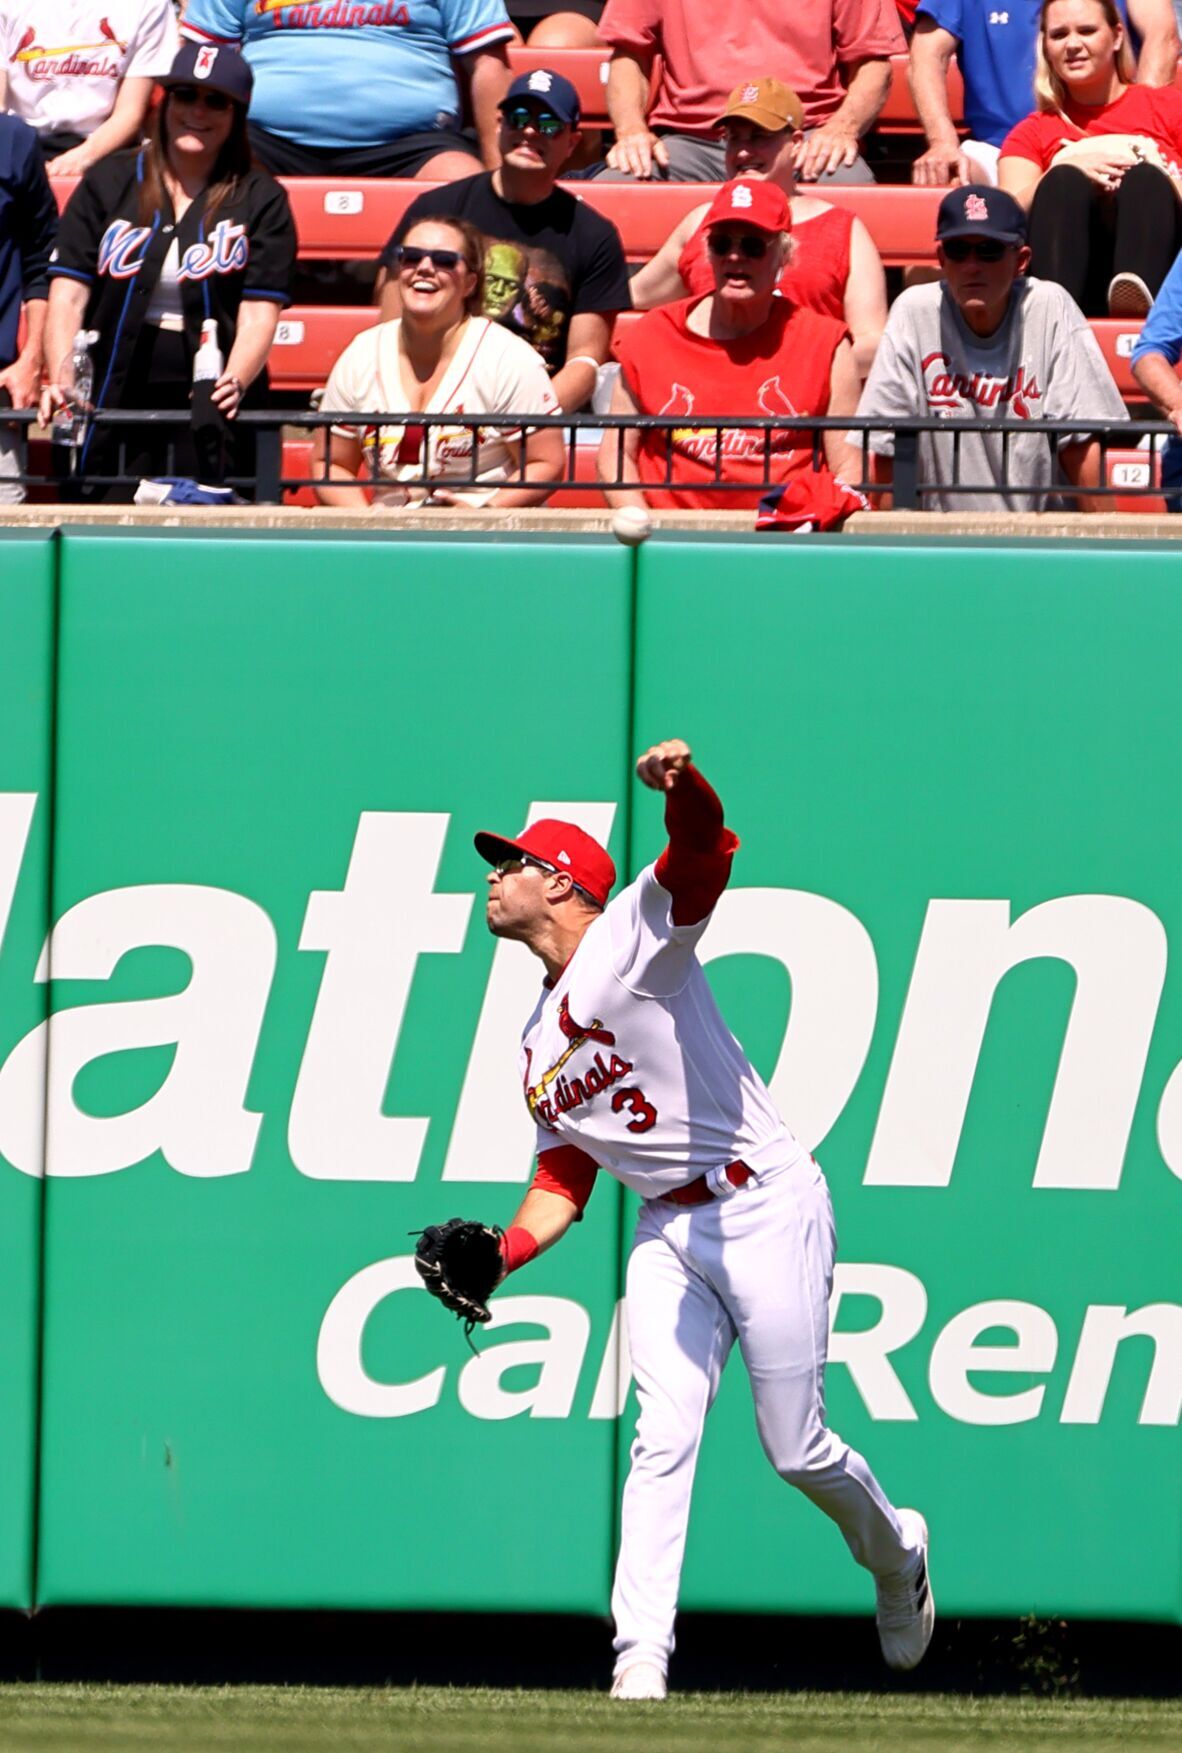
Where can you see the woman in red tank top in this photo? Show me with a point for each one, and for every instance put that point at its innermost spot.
(834, 265)
(742, 350)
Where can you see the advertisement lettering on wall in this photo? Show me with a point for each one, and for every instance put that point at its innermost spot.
(390, 912)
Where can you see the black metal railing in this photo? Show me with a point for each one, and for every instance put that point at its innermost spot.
(909, 489)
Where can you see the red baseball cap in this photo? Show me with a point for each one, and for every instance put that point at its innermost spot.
(560, 845)
(763, 205)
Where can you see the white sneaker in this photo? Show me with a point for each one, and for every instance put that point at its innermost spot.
(906, 1615)
(640, 1680)
(1128, 296)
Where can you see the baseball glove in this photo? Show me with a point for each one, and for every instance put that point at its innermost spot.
(460, 1262)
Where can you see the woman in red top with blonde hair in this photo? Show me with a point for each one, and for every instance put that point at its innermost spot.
(742, 350)
(1097, 164)
(833, 263)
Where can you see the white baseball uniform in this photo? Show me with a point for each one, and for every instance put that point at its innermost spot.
(626, 1057)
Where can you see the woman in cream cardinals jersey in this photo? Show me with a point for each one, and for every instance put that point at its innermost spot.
(439, 358)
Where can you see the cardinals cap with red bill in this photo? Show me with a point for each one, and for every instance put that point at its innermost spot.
(743, 202)
(561, 845)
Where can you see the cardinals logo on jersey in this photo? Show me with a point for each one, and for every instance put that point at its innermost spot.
(950, 391)
(774, 400)
(330, 14)
(555, 1094)
(70, 59)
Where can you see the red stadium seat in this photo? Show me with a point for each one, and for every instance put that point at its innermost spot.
(310, 339)
(1117, 337)
(585, 68)
(898, 112)
(1134, 468)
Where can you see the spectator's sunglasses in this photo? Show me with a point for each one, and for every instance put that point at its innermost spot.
(520, 115)
(985, 249)
(721, 243)
(408, 255)
(213, 100)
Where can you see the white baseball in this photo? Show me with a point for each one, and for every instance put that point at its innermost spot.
(632, 525)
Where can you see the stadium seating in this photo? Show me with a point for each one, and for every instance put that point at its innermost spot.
(587, 71)
(585, 68)
(311, 337)
(342, 220)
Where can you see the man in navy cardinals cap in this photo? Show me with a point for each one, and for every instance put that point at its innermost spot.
(576, 278)
(982, 344)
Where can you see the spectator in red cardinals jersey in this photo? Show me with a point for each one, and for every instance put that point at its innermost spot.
(80, 72)
(835, 266)
(743, 349)
(1097, 165)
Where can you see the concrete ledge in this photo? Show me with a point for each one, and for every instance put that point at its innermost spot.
(1045, 526)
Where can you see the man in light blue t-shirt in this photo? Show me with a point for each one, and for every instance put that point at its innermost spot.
(994, 42)
(366, 87)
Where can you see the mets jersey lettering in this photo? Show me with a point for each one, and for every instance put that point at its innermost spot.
(123, 247)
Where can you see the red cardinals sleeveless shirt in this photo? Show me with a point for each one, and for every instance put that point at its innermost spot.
(781, 370)
(818, 271)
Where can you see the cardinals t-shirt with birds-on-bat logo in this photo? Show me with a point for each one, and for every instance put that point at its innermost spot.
(64, 59)
(780, 370)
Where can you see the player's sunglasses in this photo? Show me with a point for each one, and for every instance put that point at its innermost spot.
(408, 255)
(985, 249)
(213, 100)
(514, 866)
(520, 115)
(721, 243)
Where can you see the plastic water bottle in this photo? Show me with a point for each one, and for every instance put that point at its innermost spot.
(70, 420)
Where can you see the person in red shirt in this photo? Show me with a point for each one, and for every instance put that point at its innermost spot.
(1097, 165)
(834, 53)
(742, 350)
(835, 265)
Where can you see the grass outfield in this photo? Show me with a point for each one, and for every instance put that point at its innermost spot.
(438, 1719)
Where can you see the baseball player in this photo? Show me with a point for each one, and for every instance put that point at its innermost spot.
(628, 1067)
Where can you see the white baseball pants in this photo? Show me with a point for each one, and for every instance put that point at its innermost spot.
(757, 1268)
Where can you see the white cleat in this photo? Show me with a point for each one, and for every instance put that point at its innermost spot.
(906, 1615)
(640, 1681)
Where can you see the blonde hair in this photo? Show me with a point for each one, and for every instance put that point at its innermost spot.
(1049, 91)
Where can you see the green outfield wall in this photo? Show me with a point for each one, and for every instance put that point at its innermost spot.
(27, 580)
(241, 778)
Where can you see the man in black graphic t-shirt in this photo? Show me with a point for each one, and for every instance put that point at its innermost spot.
(575, 278)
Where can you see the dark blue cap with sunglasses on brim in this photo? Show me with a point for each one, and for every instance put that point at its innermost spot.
(550, 91)
(980, 210)
(211, 69)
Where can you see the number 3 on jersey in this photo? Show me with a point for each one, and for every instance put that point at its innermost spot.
(644, 1114)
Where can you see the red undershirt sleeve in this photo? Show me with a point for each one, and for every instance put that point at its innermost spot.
(696, 865)
(567, 1171)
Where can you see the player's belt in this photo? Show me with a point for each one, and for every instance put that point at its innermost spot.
(716, 1184)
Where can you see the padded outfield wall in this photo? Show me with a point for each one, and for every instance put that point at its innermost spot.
(282, 1039)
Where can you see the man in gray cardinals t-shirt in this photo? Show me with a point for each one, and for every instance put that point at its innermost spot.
(986, 344)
